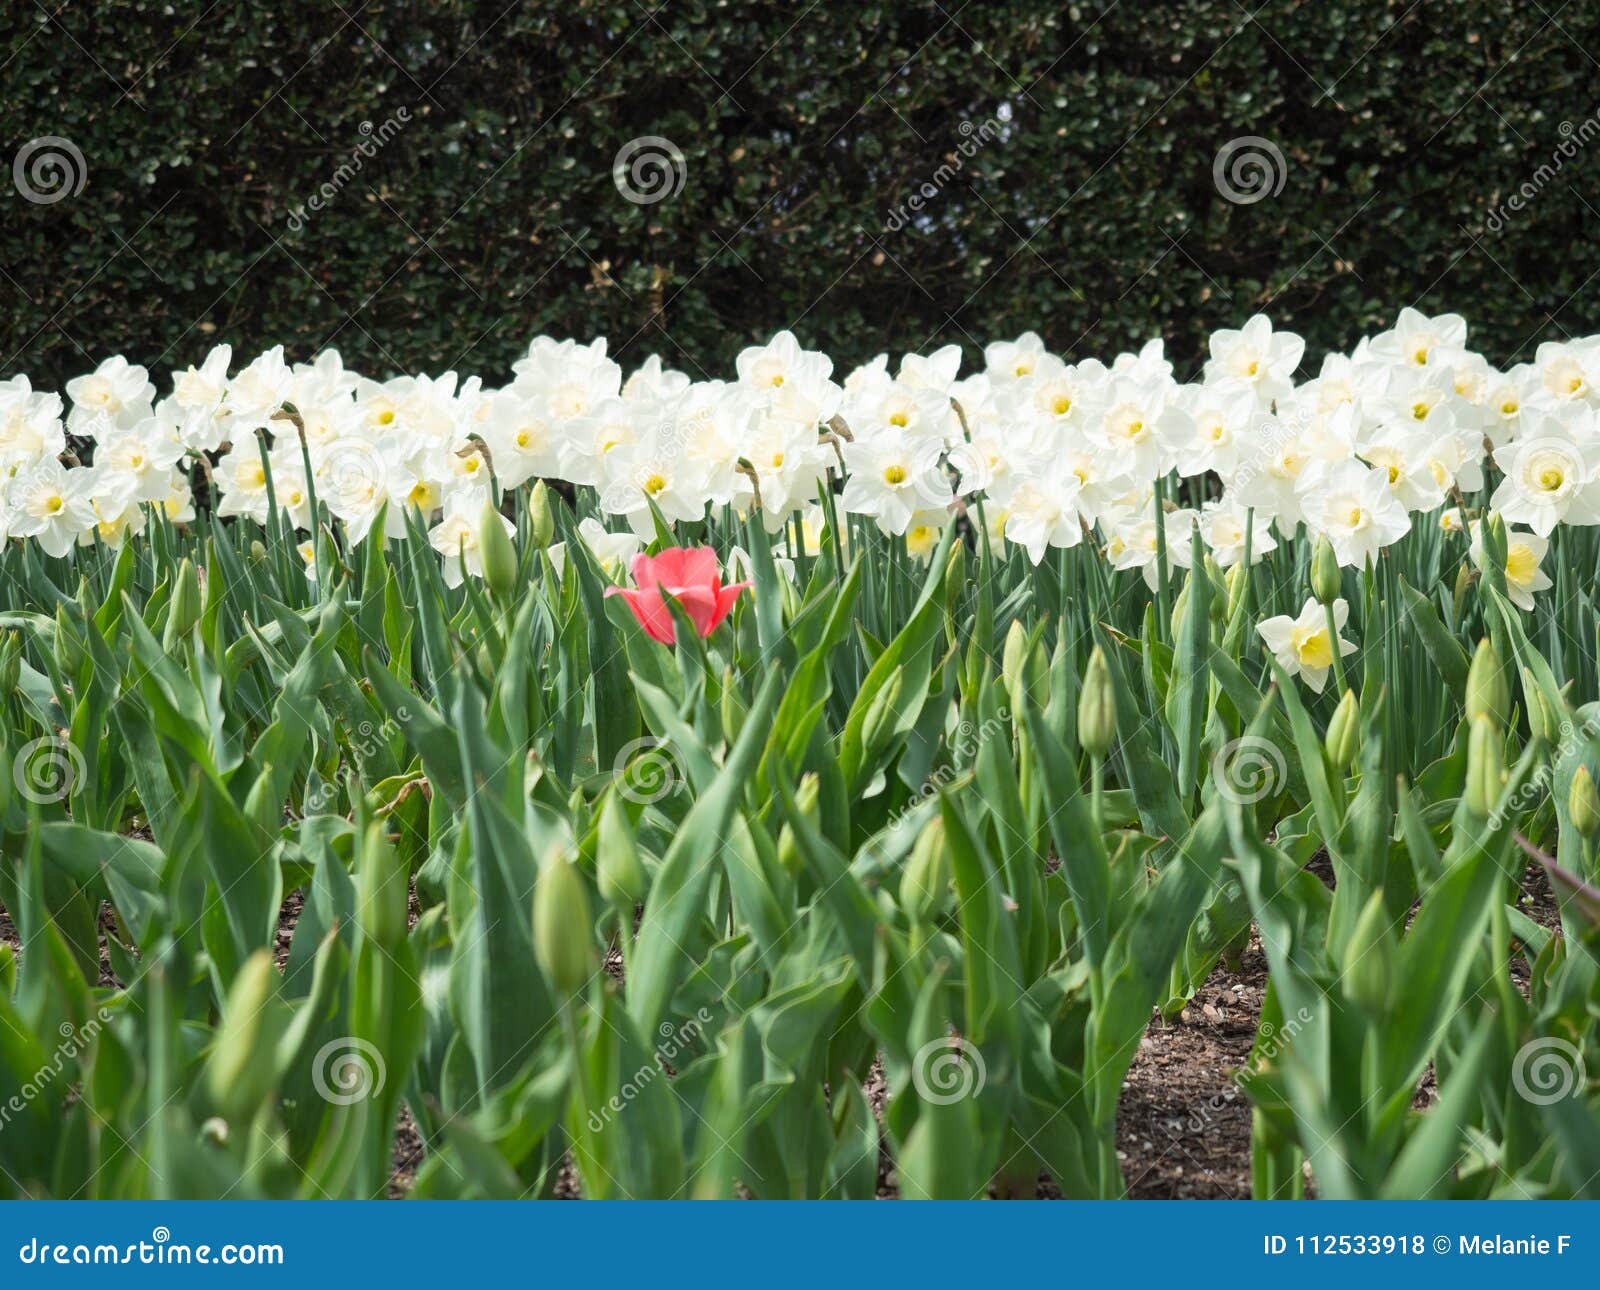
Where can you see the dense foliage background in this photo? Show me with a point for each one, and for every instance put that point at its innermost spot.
(1086, 210)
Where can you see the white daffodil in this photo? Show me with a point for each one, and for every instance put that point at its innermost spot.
(1524, 552)
(1354, 508)
(52, 505)
(1223, 527)
(1551, 475)
(1303, 646)
(1255, 358)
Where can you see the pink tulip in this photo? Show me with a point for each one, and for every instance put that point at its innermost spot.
(691, 577)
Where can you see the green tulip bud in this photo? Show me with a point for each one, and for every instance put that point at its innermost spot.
(1012, 654)
(1368, 965)
(10, 661)
(1344, 731)
(1494, 541)
(733, 707)
(806, 795)
(1482, 789)
(69, 648)
(1542, 718)
(383, 889)
(497, 553)
(1024, 669)
(562, 926)
(1237, 580)
(1326, 580)
(541, 519)
(240, 1071)
(1097, 707)
(1465, 577)
(1487, 692)
(617, 865)
(1583, 803)
(880, 713)
(927, 872)
(183, 611)
(1217, 604)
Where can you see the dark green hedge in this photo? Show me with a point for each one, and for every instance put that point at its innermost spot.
(1086, 210)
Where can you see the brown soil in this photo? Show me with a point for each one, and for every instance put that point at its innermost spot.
(1183, 1126)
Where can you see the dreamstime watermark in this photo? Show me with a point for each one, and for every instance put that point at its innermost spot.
(1272, 1040)
(160, 1250)
(1533, 789)
(1574, 139)
(74, 1040)
(649, 169)
(347, 1070)
(1547, 1070)
(974, 138)
(373, 140)
(964, 746)
(674, 1040)
(48, 769)
(1248, 169)
(948, 1069)
(47, 169)
(364, 742)
(1248, 769)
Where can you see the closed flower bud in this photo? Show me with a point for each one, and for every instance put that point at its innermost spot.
(1482, 790)
(1238, 577)
(498, 555)
(1368, 966)
(562, 926)
(69, 648)
(239, 1075)
(1012, 655)
(1542, 718)
(1219, 584)
(1344, 731)
(183, 612)
(1487, 693)
(1583, 803)
(617, 864)
(927, 873)
(10, 661)
(1326, 580)
(1097, 707)
(1025, 669)
(541, 519)
(258, 552)
(955, 577)
(383, 889)
(1465, 576)
(805, 797)
(880, 713)
(733, 707)
(1494, 541)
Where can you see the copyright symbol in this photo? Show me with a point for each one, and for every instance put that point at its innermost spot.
(1441, 1244)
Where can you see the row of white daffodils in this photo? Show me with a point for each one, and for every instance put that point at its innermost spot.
(1050, 453)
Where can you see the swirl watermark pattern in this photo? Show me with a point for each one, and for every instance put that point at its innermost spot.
(649, 169)
(348, 1070)
(1547, 1070)
(946, 1070)
(1248, 169)
(647, 770)
(48, 169)
(1248, 769)
(47, 769)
